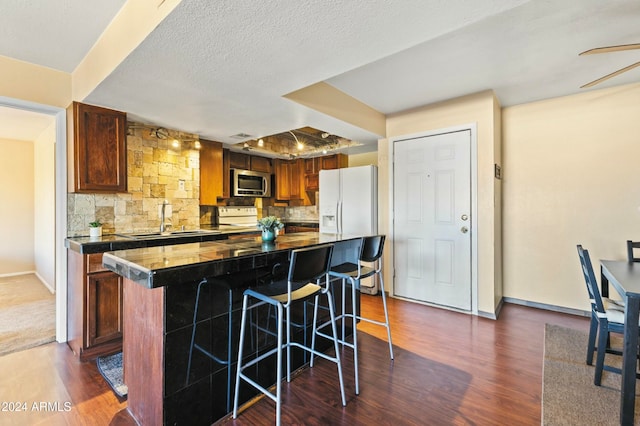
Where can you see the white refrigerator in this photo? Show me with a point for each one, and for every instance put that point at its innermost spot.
(348, 204)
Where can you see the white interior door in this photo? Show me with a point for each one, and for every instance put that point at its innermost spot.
(432, 226)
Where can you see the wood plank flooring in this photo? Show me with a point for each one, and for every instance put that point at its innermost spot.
(449, 369)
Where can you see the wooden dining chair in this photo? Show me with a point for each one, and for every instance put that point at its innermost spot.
(631, 245)
(607, 316)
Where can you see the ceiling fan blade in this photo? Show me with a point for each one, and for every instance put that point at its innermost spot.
(611, 49)
(613, 74)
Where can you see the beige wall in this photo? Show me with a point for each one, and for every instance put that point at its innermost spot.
(44, 205)
(33, 83)
(16, 207)
(570, 177)
(481, 109)
(366, 159)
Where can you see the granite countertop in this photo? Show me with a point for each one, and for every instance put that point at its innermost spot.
(110, 242)
(174, 264)
(302, 222)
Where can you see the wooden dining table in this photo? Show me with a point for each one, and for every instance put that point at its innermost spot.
(624, 276)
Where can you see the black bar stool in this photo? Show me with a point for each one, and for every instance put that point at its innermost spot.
(202, 349)
(371, 249)
(308, 266)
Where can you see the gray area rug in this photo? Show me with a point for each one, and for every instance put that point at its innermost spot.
(569, 396)
(110, 367)
(27, 313)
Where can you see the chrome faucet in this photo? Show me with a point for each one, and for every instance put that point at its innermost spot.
(162, 217)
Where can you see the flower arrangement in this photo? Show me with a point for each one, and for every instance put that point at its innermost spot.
(270, 223)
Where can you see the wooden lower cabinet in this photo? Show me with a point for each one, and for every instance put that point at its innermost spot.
(104, 310)
(94, 307)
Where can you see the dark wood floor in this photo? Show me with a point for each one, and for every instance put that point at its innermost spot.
(449, 369)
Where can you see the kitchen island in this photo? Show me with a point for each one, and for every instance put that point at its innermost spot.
(160, 285)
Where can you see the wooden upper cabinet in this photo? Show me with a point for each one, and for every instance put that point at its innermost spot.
(287, 179)
(261, 164)
(239, 160)
(212, 182)
(100, 157)
(311, 165)
(335, 161)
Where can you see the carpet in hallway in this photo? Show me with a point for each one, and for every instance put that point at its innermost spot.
(27, 313)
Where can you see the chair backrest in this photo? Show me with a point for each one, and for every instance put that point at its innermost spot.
(310, 263)
(630, 246)
(590, 279)
(372, 248)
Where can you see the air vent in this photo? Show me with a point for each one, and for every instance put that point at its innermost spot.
(240, 136)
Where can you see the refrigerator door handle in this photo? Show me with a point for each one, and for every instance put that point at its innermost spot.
(339, 217)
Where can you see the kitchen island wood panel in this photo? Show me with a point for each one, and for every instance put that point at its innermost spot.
(143, 360)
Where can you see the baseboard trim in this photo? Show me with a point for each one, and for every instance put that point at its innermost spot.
(45, 283)
(15, 274)
(547, 307)
(490, 315)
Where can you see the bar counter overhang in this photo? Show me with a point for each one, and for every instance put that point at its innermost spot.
(159, 295)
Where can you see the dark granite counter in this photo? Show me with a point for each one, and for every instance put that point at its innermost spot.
(308, 223)
(111, 242)
(174, 264)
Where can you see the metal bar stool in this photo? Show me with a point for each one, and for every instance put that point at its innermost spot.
(200, 348)
(307, 267)
(371, 249)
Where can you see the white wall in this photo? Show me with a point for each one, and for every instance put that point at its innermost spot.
(44, 206)
(570, 177)
(16, 207)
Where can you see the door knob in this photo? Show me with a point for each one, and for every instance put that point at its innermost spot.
(464, 229)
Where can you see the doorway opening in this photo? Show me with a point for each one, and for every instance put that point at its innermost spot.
(50, 215)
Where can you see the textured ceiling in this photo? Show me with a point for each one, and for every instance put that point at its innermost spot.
(222, 68)
(53, 33)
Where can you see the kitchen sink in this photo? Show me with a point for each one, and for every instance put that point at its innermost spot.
(173, 234)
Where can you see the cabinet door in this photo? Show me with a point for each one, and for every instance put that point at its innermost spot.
(104, 308)
(335, 161)
(100, 158)
(283, 180)
(239, 160)
(311, 182)
(311, 165)
(288, 179)
(296, 179)
(261, 164)
(211, 172)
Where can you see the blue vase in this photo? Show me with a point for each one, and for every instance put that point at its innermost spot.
(268, 235)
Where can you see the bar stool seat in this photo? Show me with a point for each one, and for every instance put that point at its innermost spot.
(371, 249)
(307, 267)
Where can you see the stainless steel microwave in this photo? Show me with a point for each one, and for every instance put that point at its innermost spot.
(245, 183)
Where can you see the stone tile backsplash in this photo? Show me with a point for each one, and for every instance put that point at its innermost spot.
(155, 169)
